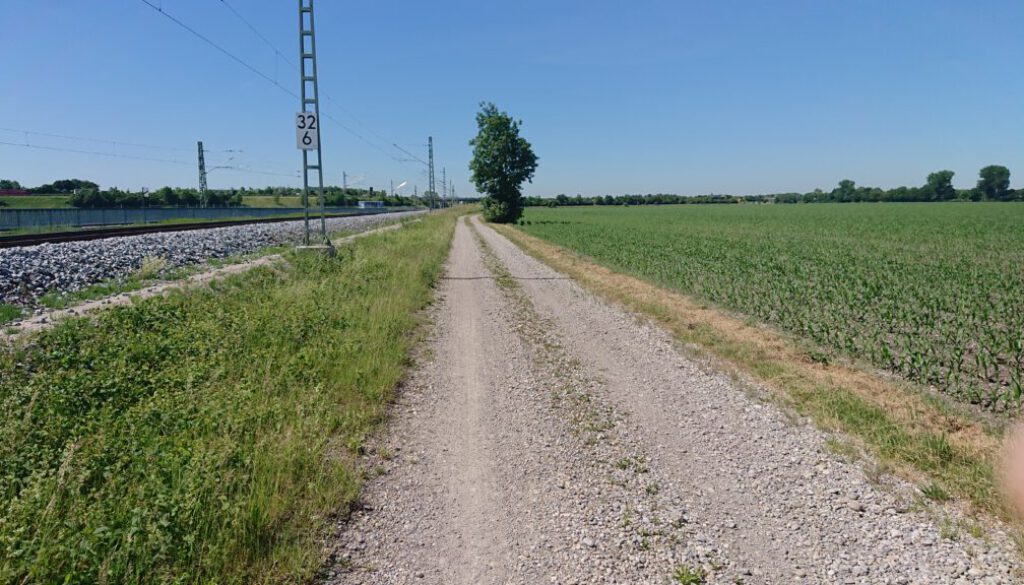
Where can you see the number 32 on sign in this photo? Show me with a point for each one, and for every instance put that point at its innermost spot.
(307, 131)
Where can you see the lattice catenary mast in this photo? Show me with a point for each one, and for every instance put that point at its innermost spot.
(433, 191)
(308, 78)
(202, 175)
(444, 185)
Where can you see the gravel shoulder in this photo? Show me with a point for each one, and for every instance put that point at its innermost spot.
(28, 273)
(546, 436)
(45, 319)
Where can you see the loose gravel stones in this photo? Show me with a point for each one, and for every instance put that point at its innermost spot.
(500, 468)
(28, 273)
(547, 437)
(760, 480)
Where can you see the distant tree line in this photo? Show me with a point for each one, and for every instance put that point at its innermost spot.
(87, 194)
(62, 187)
(993, 185)
(163, 197)
(177, 197)
(340, 197)
(649, 199)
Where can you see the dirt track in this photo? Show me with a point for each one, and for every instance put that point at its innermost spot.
(546, 437)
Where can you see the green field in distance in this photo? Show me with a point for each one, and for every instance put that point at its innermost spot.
(932, 291)
(35, 201)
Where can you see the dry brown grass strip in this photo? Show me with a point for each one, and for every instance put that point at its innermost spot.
(921, 437)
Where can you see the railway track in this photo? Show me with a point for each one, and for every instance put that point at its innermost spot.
(114, 232)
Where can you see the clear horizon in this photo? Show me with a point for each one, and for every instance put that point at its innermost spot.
(662, 97)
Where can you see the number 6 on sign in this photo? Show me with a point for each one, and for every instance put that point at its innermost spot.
(307, 131)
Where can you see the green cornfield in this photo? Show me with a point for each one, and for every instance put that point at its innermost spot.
(931, 291)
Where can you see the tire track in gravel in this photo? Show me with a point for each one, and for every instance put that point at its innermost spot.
(440, 516)
(500, 465)
(780, 506)
(478, 523)
(546, 437)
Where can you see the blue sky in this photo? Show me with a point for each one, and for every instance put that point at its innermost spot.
(643, 96)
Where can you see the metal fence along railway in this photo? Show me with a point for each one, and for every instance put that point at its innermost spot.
(15, 219)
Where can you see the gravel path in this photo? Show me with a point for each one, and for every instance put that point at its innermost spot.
(28, 273)
(549, 437)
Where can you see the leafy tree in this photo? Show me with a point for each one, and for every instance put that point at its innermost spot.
(188, 197)
(994, 183)
(166, 196)
(69, 185)
(9, 184)
(845, 192)
(502, 160)
(939, 186)
(89, 198)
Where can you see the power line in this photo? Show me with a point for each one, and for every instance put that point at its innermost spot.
(220, 48)
(253, 69)
(264, 76)
(263, 164)
(144, 158)
(330, 99)
(414, 157)
(103, 140)
(260, 35)
(96, 153)
(361, 137)
(294, 175)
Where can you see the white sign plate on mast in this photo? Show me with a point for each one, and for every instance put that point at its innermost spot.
(307, 131)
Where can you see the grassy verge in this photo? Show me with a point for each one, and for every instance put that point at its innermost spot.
(207, 436)
(271, 201)
(35, 201)
(151, 273)
(9, 313)
(945, 451)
